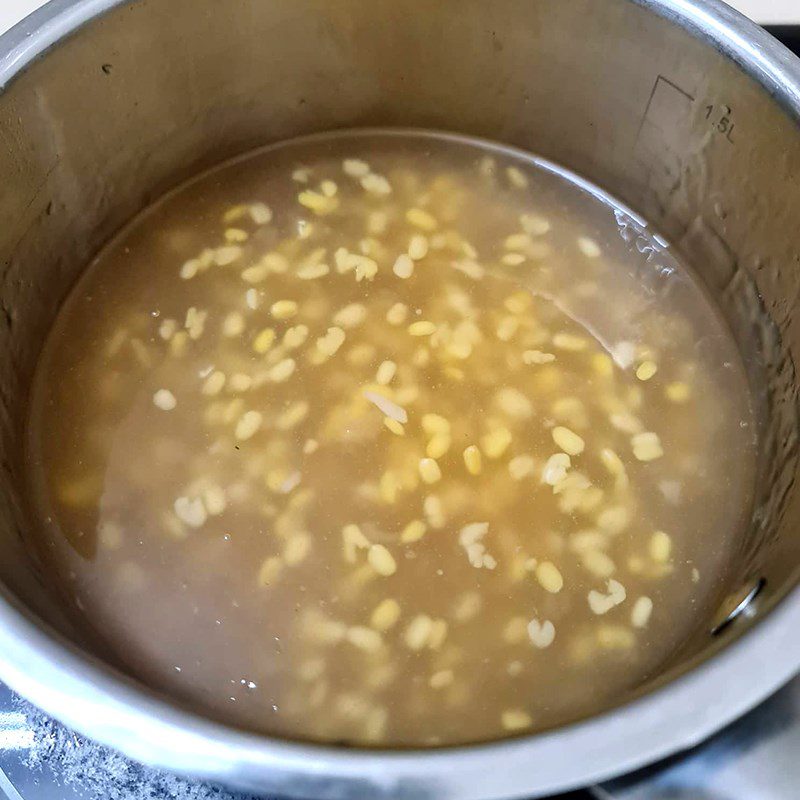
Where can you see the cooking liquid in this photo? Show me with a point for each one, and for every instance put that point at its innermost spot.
(392, 439)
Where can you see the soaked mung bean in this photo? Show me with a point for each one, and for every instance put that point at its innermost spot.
(389, 439)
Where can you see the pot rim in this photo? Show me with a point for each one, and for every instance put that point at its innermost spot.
(102, 703)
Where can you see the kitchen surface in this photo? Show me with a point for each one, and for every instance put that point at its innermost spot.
(756, 757)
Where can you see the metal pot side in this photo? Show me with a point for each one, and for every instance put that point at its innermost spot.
(681, 108)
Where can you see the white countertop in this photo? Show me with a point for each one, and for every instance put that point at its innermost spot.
(763, 11)
(12, 11)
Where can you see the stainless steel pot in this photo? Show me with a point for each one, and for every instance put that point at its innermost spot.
(681, 108)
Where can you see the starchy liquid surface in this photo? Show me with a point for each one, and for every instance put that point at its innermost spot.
(391, 439)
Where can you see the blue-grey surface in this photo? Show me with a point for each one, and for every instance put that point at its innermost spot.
(756, 758)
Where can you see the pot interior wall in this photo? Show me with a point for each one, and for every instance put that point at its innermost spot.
(153, 91)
